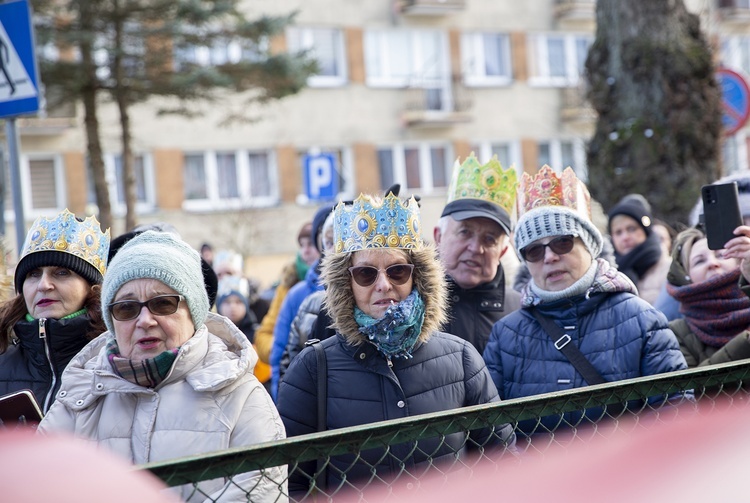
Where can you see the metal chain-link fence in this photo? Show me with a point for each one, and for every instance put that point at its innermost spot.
(360, 460)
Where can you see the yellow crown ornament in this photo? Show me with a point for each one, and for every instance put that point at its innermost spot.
(371, 222)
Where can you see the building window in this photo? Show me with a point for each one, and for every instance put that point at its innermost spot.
(226, 171)
(326, 47)
(422, 167)
(508, 154)
(558, 60)
(486, 59)
(220, 52)
(227, 180)
(735, 53)
(140, 179)
(195, 177)
(413, 58)
(559, 154)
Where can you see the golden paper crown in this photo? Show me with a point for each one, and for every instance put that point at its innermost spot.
(547, 188)
(487, 182)
(371, 222)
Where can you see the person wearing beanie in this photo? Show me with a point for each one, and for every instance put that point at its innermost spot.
(472, 236)
(152, 387)
(712, 289)
(574, 298)
(57, 307)
(638, 249)
(386, 294)
(233, 303)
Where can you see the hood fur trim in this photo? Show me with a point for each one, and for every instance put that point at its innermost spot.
(429, 280)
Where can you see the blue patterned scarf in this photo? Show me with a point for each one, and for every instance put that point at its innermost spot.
(396, 333)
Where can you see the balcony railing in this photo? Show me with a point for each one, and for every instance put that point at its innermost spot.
(430, 7)
(437, 106)
(574, 108)
(734, 11)
(575, 10)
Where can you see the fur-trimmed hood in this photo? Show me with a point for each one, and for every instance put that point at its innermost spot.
(429, 280)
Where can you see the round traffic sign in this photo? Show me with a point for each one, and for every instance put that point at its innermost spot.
(735, 100)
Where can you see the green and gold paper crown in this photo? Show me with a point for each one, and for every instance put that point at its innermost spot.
(371, 223)
(65, 233)
(487, 182)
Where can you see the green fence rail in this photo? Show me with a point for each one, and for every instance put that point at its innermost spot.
(689, 390)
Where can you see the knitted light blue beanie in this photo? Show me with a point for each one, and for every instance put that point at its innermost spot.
(547, 221)
(163, 257)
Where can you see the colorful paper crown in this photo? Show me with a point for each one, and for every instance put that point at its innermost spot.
(65, 233)
(547, 188)
(371, 222)
(488, 182)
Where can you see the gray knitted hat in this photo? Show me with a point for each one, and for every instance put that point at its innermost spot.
(547, 221)
(163, 257)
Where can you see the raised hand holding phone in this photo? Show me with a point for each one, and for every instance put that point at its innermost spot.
(722, 215)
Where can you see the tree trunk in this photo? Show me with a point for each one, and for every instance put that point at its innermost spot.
(120, 95)
(91, 121)
(651, 77)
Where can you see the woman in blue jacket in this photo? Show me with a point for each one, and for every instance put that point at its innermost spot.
(386, 295)
(596, 306)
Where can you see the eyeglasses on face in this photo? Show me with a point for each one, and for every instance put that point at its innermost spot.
(161, 305)
(560, 245)
(366, 275)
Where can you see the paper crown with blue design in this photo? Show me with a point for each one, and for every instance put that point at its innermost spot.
(372, 222)
(482, 190)
(65, 241)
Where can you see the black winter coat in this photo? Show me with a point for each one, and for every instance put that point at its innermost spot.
(473, 312)
(36, 362)
(445, 373)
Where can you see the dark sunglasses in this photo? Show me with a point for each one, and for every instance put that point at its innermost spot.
(161, 305)
(560, 246)
(366, 275)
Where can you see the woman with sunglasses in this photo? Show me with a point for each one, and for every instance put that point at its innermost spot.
(386, 294)
(57, 309)
(168, 379)
(588, 301)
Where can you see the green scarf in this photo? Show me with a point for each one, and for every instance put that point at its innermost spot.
(301, 267)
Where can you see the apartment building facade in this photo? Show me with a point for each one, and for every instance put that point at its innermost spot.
(405, 87)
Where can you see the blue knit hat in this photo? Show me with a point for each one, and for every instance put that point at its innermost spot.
(163, 257)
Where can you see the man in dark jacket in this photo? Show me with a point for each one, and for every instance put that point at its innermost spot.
(472, 237)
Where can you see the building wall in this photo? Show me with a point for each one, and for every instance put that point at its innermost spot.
(354, 118)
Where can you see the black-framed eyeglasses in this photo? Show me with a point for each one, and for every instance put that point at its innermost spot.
(161, 305)
(366, 275)
(560, 245)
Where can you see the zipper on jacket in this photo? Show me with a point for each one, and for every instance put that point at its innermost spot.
(43, 336)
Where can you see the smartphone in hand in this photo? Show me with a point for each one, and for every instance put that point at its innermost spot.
(20, 408)
(721, 213)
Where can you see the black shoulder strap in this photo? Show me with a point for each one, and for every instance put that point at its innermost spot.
(571, 352)
(320, 355)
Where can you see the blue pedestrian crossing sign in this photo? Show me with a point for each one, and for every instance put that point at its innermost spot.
(321, 176)
(19, 78)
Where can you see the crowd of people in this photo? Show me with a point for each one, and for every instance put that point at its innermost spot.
(154, 350)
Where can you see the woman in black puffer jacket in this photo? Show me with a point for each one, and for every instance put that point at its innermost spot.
(386, 295)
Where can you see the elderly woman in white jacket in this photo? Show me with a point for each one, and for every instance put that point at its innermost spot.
(169, 379)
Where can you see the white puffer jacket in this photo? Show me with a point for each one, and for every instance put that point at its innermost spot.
(210, 401)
